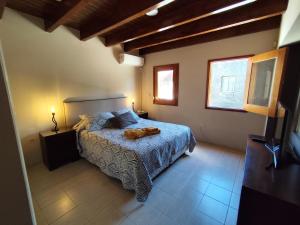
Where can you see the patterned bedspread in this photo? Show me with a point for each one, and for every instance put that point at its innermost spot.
(136, 162)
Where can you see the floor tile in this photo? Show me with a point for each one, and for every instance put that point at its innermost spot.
(213, 208)
(161, 201)
(164, 220)
(55, 210)
(109, 215)
(224, 181)
(218, 193)
(40, 218)
(231, 218)
(74, 217)
(192, 191)
(145, 215)
(128, 221)
(88, 191)
(235, 201)
(237, 187)
(49, 196)
(184, 206)
(172, 182)
(201, 219)
(198, 183)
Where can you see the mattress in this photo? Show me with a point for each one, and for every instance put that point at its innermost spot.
(136, 162)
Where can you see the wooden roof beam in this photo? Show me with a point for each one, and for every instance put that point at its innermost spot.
(257, 26)
(126, 11)
(170, 16)
(256, 11)
(65, 10)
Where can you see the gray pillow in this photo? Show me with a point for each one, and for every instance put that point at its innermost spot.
(122, 111)
(100, 121)
(122, 120)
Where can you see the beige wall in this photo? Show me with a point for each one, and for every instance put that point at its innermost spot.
(44, 68)
(219, 127)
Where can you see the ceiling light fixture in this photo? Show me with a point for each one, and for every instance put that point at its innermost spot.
(163, 3)
(233, 6)
(153, 12)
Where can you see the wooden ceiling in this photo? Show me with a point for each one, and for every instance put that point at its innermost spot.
(178, 23)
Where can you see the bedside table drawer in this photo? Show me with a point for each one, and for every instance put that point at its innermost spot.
(59, 149)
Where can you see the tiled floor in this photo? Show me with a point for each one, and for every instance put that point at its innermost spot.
(200, 189)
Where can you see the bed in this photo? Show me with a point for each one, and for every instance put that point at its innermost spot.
(134, 162)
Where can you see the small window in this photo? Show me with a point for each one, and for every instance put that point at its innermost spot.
(227, 83)
(165, 84)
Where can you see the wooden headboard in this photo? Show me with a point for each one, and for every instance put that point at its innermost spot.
(91, 106)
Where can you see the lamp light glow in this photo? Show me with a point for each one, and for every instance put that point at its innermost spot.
(153, 12)
(52, 109)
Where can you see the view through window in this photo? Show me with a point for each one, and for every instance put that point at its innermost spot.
(165, 84)
(226, 83)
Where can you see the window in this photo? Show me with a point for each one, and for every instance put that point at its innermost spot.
(226, 83)
(165, 84)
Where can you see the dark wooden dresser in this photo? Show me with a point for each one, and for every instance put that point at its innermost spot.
(268, 197)
(59, 148)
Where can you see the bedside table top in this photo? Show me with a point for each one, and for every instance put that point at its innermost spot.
(141, 112)
(51, 133)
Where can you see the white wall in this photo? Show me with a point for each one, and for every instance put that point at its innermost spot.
(214, 126)
(290, 24)
(45, 68)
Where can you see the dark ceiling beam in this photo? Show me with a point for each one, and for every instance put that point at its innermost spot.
(257, 26)
(256, 11)
(168, 17)
(2, 6)
(63, 13)
(125, 12)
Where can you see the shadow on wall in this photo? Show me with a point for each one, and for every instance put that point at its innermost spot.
(116, 50)
(75, 32)
(37, 22)
(40, 24)
(31, 148)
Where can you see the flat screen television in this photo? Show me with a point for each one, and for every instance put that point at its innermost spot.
(292, 135)
(290, 100)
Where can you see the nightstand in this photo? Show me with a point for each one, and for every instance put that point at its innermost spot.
(59, 148)
(142, 114)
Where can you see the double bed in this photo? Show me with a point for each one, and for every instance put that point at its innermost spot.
(134, 162)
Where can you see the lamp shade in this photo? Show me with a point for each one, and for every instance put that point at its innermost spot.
(52, 109)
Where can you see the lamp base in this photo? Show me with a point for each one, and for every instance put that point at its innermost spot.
(55, 123)
(55, 130)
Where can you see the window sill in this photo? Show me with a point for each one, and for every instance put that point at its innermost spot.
(226, 109)
(164, 102)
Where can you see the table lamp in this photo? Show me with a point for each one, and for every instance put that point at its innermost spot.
(53, 120)
(132, 103)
